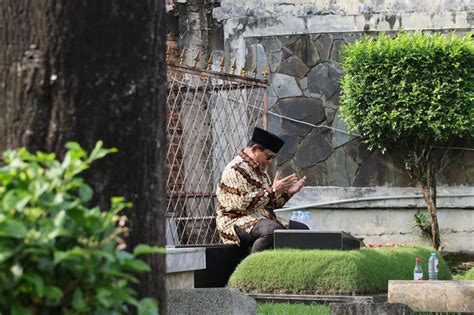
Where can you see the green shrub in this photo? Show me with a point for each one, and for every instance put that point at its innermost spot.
(469, 275)
(412, 93)
(365, 271)
(58, 255)
(414, 87)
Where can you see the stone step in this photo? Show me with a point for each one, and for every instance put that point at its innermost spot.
(433, 296)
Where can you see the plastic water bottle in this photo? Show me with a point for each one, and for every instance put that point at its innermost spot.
(300, 217)
(418, 272)
(433, 267)
(294, 217)
(309, 219)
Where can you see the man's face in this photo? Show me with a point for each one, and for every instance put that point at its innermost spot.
(263, 157)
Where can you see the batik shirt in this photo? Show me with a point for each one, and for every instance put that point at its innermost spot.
(245, 197)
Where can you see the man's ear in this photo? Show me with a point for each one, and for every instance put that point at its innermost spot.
(254, 147)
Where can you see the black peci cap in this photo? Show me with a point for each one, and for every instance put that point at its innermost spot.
(267, 139)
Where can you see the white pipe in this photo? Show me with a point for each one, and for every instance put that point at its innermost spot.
(314, 205)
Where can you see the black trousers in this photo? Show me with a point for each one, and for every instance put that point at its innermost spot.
(261, 236)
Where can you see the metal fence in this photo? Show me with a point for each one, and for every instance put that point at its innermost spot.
(210, 116)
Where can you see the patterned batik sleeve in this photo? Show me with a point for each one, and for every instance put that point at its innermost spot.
(236, 194)
(277, 200)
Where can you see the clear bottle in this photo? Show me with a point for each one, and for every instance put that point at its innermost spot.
(294, 217)
(418, 271)
(309, 219)
(433, 267)
(300, 217)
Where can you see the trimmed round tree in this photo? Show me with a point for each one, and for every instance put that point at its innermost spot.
(411, 93)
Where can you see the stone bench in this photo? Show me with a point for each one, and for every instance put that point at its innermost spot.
(433, 296)
(216, 301)
(181, 264)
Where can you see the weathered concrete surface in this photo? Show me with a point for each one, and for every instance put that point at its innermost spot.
(180, 280)
(390, 220)
(216, 301)
(369, 309)
(185, 259)
(244, 18)
(433, 296)
(180, 266)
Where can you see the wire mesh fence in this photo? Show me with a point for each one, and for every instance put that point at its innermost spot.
(210, 117)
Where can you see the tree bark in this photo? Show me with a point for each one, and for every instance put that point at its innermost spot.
(428, 189)
(93, 70)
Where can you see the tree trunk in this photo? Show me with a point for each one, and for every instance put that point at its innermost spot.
(428, 188)
(93, 70)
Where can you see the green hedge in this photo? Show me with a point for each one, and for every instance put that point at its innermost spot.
(364, 271)
(411, 87)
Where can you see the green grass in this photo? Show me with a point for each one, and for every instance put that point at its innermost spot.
(365, 271)
(469, 275)
(291, 309)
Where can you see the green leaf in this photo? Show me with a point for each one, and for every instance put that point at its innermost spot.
(16, 199)
(53, 292)
(136, 265)
(147, 306)
(85, 193)
(12, 228)
(146, 249)
(37, 282)
(76, 252)
(18, 309)
(78, 301)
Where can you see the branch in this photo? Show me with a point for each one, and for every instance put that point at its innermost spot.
(442, 166)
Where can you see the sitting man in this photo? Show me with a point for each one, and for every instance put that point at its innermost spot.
(246, 197)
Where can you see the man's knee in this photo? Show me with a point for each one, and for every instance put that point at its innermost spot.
(266, 228)
(295, 225)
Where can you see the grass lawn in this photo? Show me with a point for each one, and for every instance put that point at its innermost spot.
(365, 271)
(291, 309)
(469, 275)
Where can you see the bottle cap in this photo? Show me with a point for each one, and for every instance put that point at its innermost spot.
(433, 254)
(418, 259)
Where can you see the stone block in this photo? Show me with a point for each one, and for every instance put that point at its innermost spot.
(216, 301)
(369, 309)
(285, 86)
(293, 66)
(185, 259)
(433, 296)
(313, 149)
(288, 150)
(320, 82)
(324, 44)
(181, 264)
(305, 50)
(308, 110)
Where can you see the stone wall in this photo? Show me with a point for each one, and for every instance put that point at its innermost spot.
(299, 43)
(304, 76)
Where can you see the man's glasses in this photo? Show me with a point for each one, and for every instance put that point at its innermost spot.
(269, 156)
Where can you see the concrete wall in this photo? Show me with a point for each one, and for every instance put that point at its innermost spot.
(390, 219)
(243, 19)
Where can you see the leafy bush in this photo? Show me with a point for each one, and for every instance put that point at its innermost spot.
(413, 87)
(57, 254)
(411, 93)
(364, 271)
